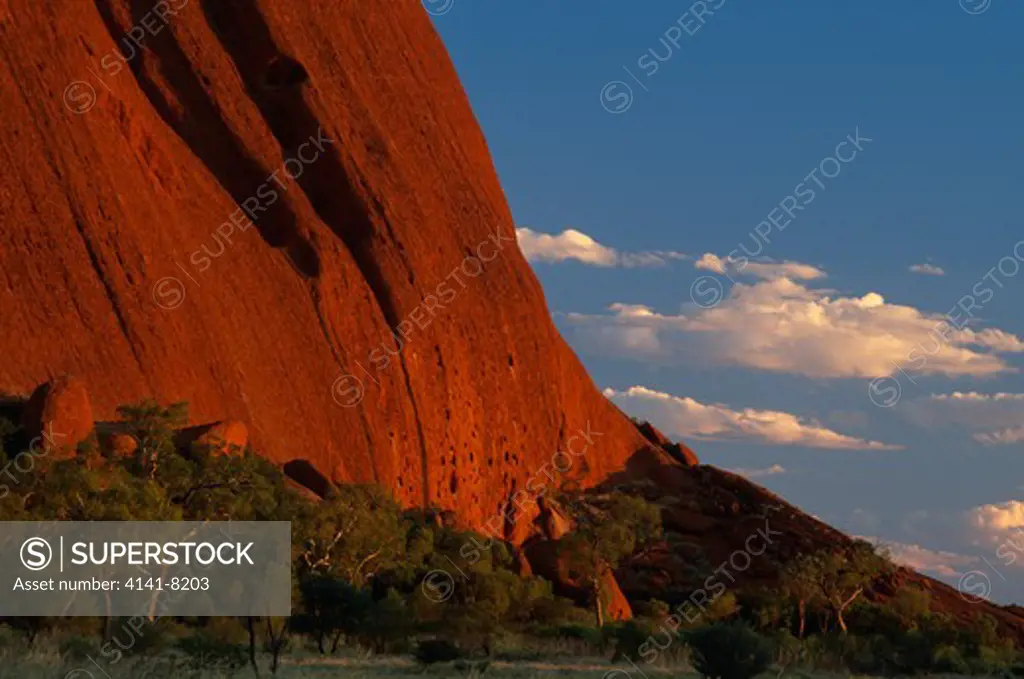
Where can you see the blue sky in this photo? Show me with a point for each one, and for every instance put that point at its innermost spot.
(660, 174)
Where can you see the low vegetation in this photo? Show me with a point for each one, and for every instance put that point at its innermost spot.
(367, 596)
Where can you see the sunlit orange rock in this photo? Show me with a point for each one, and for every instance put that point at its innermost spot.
(370, 314)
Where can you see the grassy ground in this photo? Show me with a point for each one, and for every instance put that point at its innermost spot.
(50, 666)
(44, 666)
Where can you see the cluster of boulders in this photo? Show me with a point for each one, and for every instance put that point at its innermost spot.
(542, 551)
(59, 417)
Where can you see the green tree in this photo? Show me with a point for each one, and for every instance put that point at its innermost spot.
(843, 576)
(154, 427)
(344, 542)
(607, 528)
(800, 580)
(911, 605)
(353, 534)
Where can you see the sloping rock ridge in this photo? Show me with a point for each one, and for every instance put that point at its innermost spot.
(285, 214)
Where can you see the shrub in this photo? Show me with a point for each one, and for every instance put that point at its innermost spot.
(585, 633)
(208, 651)
(430, 651)
(729, 651)
(949, 660)
(74, 648)
(628, 636)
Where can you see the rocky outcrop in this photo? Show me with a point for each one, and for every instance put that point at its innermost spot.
(284, 213)
(58, 416)
(552, 521)
(230, 436)
(680, 452)
(546, 559)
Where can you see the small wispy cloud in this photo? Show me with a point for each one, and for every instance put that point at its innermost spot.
(758, 473)
(1003, 437)
(925, 560)
(998, 418)
(766, 269)
(927, 269)
(576, 245)
(685, 418)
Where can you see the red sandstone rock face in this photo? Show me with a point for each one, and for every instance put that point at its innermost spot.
(120, 262)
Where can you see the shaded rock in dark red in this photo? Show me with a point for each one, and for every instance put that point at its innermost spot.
(306, 475)
(220, 437)
(680, 452)
(546, 561)
(230, 436)
(58, 416)
(710, 516)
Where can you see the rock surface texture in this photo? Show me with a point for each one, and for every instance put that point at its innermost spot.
(285, 213)
(58, 416)
(375, 318)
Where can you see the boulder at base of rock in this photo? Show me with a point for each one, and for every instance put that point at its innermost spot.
(227, 436)
(122, 445)
(58, 415)
(616, 606)
(545, 560)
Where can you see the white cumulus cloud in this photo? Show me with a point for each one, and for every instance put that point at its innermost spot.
(573, 244)
(687, 418)
(995, 521)
(781, 325)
